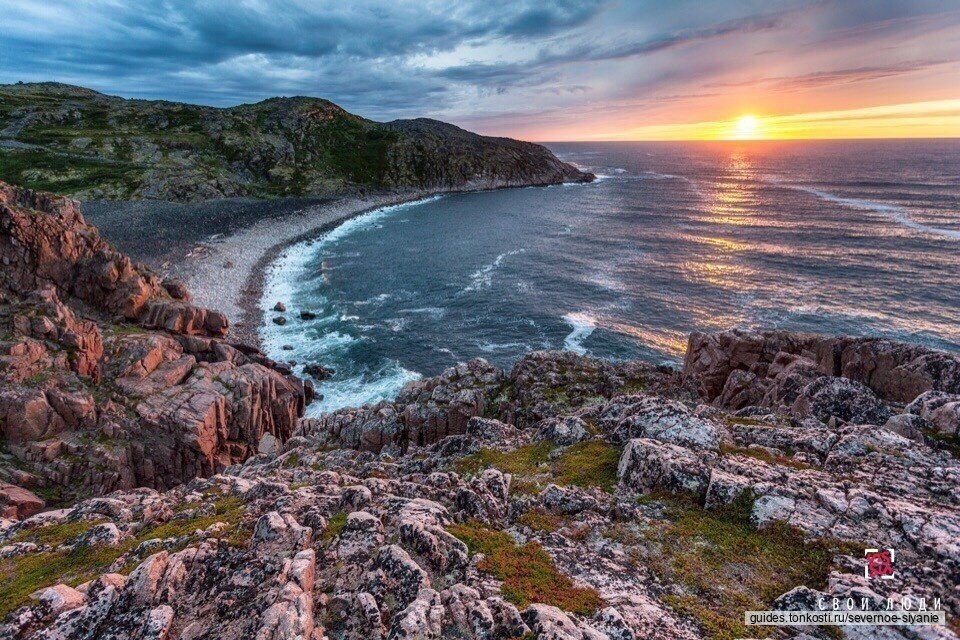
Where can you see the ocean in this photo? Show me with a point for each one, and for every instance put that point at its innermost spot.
(840, 237)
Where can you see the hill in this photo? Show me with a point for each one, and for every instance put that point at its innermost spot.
(93, 146)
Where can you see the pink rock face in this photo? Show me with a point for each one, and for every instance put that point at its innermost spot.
(17, 502)
(780, 361)
(28, 416)
(90, 406)
(44, 240)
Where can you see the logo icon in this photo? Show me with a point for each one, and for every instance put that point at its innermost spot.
(879, 563)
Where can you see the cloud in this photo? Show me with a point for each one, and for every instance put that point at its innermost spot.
(479, 61)
(818, 79)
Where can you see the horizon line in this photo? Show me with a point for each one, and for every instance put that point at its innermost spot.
(850, 139)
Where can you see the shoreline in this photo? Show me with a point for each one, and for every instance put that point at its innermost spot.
(227, 272)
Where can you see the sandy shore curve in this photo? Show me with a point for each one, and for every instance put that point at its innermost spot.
(227, 272)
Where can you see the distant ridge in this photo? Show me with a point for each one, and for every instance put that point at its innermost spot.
(80, 142)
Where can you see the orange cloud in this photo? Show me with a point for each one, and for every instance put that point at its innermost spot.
(931, 119)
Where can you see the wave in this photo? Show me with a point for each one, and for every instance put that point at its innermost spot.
(583, 325)
(491, 347)
(434, 312)
(482, 278)
(366, 388)
(288, 279)
(653, 175)
(894, 212)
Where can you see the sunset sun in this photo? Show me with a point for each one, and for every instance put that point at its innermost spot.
(747, 127)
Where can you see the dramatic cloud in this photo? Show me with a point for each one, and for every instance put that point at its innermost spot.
(533, 68)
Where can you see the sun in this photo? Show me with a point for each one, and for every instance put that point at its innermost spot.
(747, 126)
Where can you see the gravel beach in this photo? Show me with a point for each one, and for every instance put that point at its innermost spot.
(221, 248)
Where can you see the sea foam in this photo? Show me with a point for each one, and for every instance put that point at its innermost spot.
(894, 212)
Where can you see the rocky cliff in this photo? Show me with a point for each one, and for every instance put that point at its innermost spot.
(567, 498)
(93, 146)
(109, 377)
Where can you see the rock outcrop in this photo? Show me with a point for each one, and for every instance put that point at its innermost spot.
(742, 368)
(44, 240)
(627, 509)
(107, 379)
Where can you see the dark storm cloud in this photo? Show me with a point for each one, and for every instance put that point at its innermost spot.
(597, 51)
(347, 50)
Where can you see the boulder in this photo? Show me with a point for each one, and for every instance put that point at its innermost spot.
(940, 410)
(563, 431)
(18, 503)
(841, 399)
(647, 465)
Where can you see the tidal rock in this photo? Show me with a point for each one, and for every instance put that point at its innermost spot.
(318, 372)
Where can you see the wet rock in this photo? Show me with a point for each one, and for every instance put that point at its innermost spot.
(318, 371)
(280, 307)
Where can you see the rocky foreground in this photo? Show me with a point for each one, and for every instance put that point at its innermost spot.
(567, 498)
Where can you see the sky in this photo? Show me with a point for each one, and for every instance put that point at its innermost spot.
(545, 70)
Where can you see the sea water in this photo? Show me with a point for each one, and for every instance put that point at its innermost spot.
(857, 238)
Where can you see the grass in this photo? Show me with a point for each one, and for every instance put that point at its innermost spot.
(53, 535)
(334, 526)
(527, 572)
(592, 463)
(31, 572)
(728, 566)
(65, 174)
(540, 520)
(763, 455)
(744, 421)
(526, 460)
